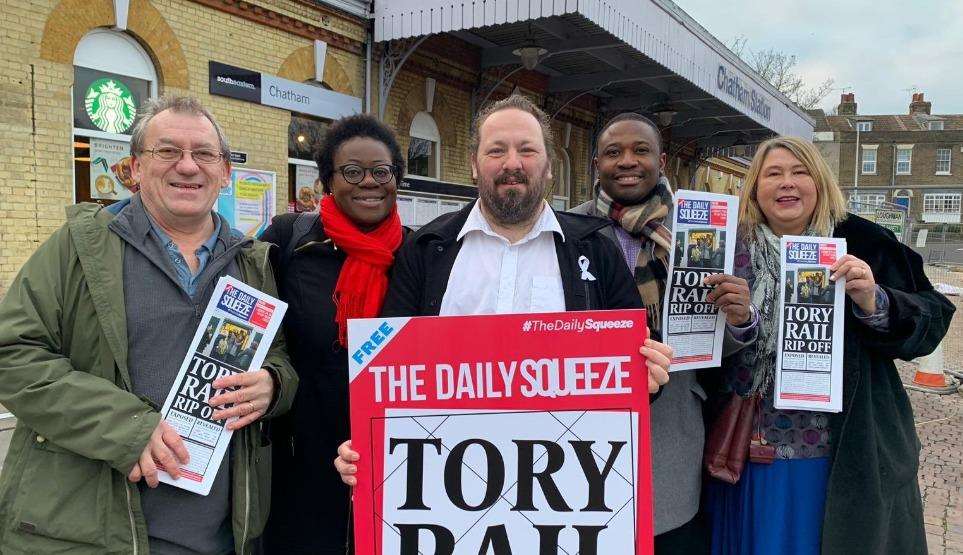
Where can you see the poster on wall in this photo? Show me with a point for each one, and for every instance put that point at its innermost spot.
(406, 210)
(248, 202)
(307, 189)
(110, 170)
(534, 439)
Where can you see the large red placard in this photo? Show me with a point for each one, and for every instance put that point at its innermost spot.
(523, 432)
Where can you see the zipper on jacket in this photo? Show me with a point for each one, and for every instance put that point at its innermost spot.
(588, 297)
(130, 514)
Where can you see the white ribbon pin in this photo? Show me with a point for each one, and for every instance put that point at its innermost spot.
(583, 264)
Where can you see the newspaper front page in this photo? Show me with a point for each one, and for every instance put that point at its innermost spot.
(234, 336)
(703, 244)
(809, 363)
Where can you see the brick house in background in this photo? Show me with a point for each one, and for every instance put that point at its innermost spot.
(911, 159)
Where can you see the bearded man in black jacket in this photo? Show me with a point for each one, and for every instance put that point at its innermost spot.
(510, 252)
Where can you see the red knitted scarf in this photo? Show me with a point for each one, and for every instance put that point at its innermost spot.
(363, 280)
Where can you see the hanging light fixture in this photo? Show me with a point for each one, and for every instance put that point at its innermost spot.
(530, 52)
(664, 115)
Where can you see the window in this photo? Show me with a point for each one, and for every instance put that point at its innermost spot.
(943, 161)
(942, 202)
(305, 135)
(904, 160)
(869, 160)
(935, 125)
(864, 126)
(107, 92)
(941, 208)
(424, 150)
(562, 172)
(866, 203)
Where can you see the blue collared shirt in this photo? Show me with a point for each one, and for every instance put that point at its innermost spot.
(187, 280)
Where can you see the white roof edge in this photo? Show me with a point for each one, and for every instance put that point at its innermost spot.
(354, 7)
(658, 29)
(687, 21)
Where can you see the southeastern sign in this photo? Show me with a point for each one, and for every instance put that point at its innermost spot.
(270, 90)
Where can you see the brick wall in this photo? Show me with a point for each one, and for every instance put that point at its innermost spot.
(38, 41)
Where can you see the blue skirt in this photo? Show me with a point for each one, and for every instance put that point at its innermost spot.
(774, 509)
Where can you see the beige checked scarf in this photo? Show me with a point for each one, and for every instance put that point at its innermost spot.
(646, 221)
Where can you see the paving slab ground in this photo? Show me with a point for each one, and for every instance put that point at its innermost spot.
(939, 423)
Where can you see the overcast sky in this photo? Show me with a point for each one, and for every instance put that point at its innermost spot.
(876, 48)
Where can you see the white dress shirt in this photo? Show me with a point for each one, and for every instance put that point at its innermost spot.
(493, 276)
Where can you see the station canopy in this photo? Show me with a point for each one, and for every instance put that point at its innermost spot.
(633, 55)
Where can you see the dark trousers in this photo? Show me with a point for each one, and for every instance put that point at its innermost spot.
(692, 538)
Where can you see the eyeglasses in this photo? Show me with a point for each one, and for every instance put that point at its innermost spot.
(354, 174)
(174, 154)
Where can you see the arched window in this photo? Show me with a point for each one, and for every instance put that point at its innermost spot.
(113, 77)
(562, 172)
(424, 150)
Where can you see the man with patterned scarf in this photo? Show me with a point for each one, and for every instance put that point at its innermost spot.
(632, 191)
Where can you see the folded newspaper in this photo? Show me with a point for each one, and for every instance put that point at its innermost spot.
(809, 363)
(234, 336)
(703, 244)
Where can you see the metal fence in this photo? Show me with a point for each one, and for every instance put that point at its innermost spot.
(941, 247)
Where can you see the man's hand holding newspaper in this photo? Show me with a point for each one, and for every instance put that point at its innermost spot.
(251, 399)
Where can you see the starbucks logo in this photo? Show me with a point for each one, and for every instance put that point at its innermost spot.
(110, 105)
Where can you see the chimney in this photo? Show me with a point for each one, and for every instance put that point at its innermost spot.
(919, 106)
(847, 104)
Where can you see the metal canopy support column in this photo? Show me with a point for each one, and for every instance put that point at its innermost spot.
(393, 56)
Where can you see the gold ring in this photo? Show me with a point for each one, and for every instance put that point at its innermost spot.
(251, 404)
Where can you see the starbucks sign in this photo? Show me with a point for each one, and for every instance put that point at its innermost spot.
(106, 101)
(110, 105)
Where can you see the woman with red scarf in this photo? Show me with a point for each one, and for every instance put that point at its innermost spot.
(331, 266)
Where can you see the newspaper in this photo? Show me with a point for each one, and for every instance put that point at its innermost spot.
(703, 244)
(809, 361)
(234, 336)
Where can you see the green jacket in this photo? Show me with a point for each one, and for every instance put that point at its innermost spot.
(80, 429)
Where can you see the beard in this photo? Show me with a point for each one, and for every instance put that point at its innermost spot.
(513, 206)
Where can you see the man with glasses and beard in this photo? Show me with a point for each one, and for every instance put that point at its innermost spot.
(509, 252)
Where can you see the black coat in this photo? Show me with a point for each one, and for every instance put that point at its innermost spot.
(873, 501)
(310, 504)
(423, 265)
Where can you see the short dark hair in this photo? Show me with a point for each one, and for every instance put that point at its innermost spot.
(351, 127)
(632, 116)
(515, 102)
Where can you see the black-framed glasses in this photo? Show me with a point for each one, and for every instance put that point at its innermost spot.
(174, 154)
(354, 174)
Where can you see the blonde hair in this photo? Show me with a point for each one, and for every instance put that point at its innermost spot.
(830, 203)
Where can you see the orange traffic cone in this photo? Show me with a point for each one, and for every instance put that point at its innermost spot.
(930, 371)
